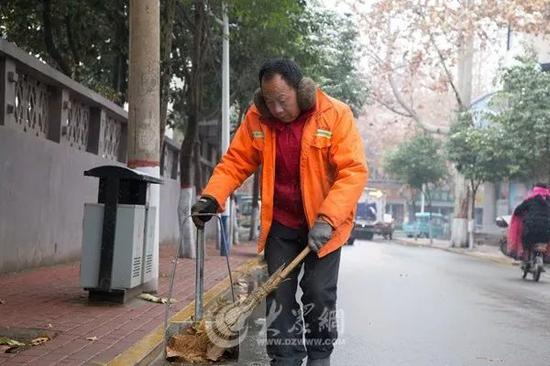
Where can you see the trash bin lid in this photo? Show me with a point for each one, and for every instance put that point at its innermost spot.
(122, 172)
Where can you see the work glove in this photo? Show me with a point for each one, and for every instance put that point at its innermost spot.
(205, 205)
(319, 235)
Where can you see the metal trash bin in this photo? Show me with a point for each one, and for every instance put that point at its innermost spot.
(118, 234)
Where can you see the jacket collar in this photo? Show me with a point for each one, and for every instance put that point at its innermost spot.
(319, 103)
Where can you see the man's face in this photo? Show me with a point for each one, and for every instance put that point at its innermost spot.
(280, 98)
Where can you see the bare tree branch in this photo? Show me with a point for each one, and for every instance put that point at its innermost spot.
(392, 108)
(422, 124)
(407, 108)
(441, 57)
(447, 72)
(401, 99)
(73, 46)
(166, 37)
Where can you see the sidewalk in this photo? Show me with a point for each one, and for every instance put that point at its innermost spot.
(488, 252)
(51, 298)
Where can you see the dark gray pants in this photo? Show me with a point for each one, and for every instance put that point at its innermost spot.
(287, 323)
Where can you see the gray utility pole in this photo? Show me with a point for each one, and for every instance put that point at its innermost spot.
(225, 248)
(462, 221)
(144, 105)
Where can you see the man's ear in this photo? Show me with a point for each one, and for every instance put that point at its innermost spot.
(259, 102)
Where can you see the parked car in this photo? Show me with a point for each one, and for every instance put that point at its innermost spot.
(420, 227)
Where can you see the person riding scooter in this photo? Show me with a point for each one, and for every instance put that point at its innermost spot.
(530, 224)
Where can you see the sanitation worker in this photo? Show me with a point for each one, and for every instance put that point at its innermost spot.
(313, 173)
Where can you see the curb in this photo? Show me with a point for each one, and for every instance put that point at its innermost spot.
(507, 261)
(145, 350)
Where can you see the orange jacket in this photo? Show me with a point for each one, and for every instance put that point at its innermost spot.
(333, 169)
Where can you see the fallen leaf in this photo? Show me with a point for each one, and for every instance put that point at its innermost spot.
(214, 353)
(165, 300)
(4, 348)
(152, 298)
(40, 340)
(5, 341)
(148, 297)
(172, 353)
(94, 338)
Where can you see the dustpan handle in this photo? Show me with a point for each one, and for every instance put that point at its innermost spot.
(199, 274)
(299, 258)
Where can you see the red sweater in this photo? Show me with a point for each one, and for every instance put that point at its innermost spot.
(288, 208)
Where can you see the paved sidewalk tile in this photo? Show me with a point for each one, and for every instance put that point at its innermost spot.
(51, 298)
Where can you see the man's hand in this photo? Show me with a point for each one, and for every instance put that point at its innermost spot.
(205, 206)
(319, 235)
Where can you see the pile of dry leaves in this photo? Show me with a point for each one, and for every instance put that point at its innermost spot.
(9, 345)
(194, 346)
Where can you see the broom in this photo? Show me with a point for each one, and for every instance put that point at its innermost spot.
(221, 330)
(224, 327)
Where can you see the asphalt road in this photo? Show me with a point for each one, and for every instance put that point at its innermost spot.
(411, 306)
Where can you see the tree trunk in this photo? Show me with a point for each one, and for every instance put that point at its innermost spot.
(429, 199)
(193, 96)
(187, 248)
(412, 211)
(119, 70)
(471, 214)
(234, 224)
(459, 237)
(471, 204)
(51, 46)
(199, 179)
(187, 193)
(116, 76)
(123, 83)
(73, 47)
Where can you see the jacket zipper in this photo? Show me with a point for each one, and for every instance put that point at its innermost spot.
(302, 163)
(264, 229)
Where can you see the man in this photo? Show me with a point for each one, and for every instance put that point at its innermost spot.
(314, 171)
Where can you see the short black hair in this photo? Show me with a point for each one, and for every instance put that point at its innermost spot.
(541, 185)
(288, 69)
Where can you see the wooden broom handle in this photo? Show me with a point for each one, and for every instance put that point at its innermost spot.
(299, 258)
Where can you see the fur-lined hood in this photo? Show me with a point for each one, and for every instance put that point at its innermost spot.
(306, 98)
